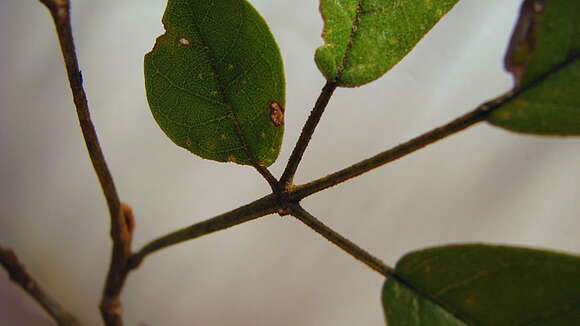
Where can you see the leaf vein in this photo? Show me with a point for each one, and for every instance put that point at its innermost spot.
(235, 119)
(185, 90)
(380, 10)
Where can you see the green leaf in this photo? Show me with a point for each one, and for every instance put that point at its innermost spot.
(366, 38)
(544, 58)
(483, 285)
(215, 81)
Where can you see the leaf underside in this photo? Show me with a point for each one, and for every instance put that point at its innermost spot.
(215, 81)
(366, 38)
(545, 45)
(483, 285)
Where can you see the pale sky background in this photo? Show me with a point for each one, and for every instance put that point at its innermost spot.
(482, 185)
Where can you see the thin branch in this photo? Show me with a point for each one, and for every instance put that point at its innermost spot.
(110, 306)
(342, 242)
(390, 155)
(259, 208)
(60, 10)
(306, 135)
(20, 276)
(471, 118)
(122, 220)
(121, 227)
(269, 177)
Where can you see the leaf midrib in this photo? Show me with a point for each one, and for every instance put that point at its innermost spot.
(353, 30)
(359, 14)
(220, 84)
(399, 279)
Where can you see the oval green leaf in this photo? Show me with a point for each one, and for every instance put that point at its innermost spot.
(544, 58)
(483, 285)
(366, 38)
(215, 81)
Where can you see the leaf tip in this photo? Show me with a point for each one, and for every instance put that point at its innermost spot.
(523, 39)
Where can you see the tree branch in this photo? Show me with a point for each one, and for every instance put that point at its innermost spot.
(269, 177)
(285, 196)
(110, 306)
(459, 124)
(261, 207)
(20, 276)
(471, 118)
(342, 242)
(60, 10)
(306, 135)
(122, 222)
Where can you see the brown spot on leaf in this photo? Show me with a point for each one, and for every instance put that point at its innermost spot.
(184, 41)
(469, 301)
(276, 113)
(188, 142)
(233, 159)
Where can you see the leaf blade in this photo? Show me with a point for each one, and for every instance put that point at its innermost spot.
(212, 80)
(546, 36)
(366, 38)
(492, 285)
(397, 296)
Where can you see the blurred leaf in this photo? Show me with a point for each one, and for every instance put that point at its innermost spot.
(215, 81)
(544, 57)
(482, 285)
(364, 39)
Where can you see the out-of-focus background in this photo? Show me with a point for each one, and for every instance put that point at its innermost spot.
(484, 184)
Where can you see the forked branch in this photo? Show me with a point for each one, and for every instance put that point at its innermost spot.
(284, 199)
(306, 134)
(465, 121)
(471, 118)
(295, 194)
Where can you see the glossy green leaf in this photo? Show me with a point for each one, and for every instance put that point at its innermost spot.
(544, 58)
(366, 38)
(483, 285)
(215, 81)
